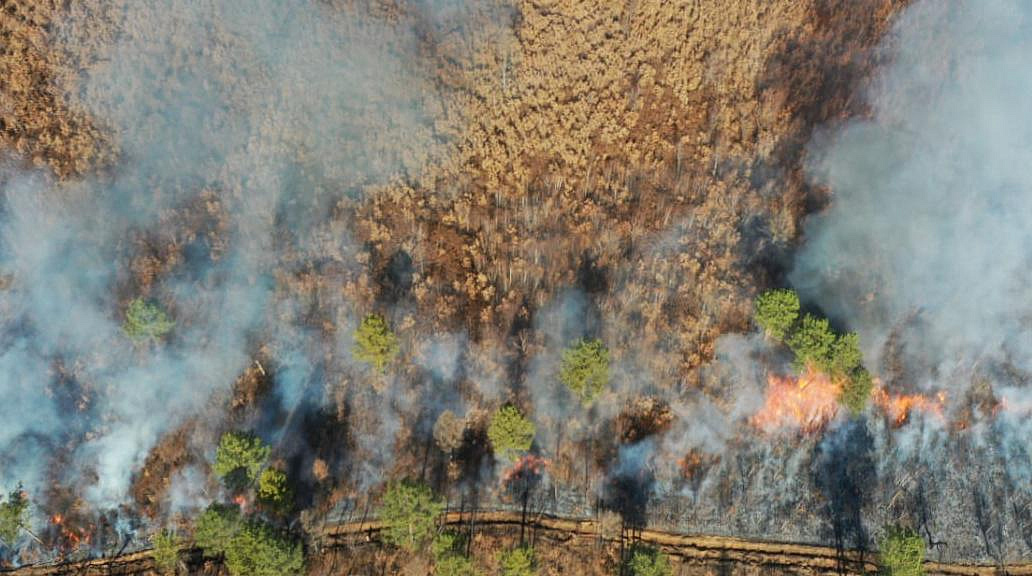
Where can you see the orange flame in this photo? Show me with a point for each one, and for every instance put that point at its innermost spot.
(805, 403)
(898, 407)
(529, 465)
(241, 501)
(74, 538)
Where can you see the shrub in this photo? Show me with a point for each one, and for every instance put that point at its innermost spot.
(258, 550)
(374, 343)
(166, 551)
(239, 458)
(454, 565)
(856, 390)
(409, 514)
(13, 515)
(146, 321)
(649, 562)
(448, 431)
(517, 562)
(448, 557)
(215, 528)
(444, 543)
(510, 433)
(585, 369)
(273, 489)
(776, 312)
(813, 342)
(902, 552)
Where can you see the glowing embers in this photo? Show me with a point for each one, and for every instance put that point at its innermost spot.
(806, 403)
(900, 407)
(70, 538)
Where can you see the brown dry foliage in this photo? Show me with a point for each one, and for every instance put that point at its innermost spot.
(35, 120)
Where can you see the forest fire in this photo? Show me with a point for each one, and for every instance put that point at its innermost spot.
(69, 537)
(805, 403)
(898, 407)
(696, 462)
(528, 467)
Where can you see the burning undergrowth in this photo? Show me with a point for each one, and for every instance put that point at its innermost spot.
(235, 209)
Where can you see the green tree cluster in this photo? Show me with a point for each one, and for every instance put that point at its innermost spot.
(14, 513)
(648, 562)
(259, 550)
(902, 552)
(584, 369)
(409, 514)
(517, 562)
(510, 433)
(166, 551)
(250, 547)
(449, 559)
(375, 343)
(146, 321)
(273, 489)
(815, 344)
(239, 458)
(216, 527)
(776, 312)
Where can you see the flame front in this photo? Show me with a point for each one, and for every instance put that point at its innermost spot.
(805, 403)
(898, 407)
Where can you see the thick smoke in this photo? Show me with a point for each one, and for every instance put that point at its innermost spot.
(263, 114)
(925, 250)
(927, 234)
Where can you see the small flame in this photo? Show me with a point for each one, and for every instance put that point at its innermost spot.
(899, 407)
(241, 501)
(695, 462)
(57, 519)
(527, 466)
(806, 403)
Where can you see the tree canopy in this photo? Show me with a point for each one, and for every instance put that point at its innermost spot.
(145, 320)
(777, 312)
(449, 559)
(250, 547)
(259, 550)
(13, 515)
(812, 342)
(510, 433)
(517, 562)
(239, 458)
(649, 562)
(273, 488)
(166, 551)
(216, 527)
(409, 514)
(584, 369)
(375, 343)
(815, 344)
(902, 552)
(856, 390)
